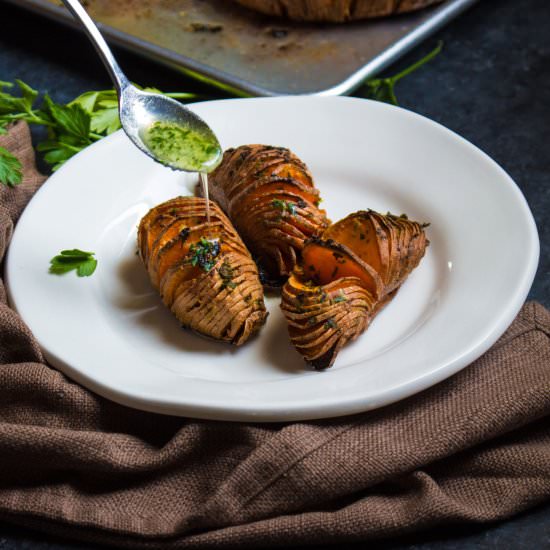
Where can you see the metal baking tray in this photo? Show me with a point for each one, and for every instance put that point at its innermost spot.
(251, 54)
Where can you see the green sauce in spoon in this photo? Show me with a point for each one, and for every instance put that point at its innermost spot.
(182, 147)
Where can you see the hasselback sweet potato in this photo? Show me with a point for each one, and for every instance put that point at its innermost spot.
(269, 195)
(346, 276)
(204, 272)
(334, 10)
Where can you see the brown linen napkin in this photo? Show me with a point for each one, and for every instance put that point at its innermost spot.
(474, 448)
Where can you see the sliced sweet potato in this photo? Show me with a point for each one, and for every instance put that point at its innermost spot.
(322, 319)
(203, 271)
(345, 277)
(269, 195)
(392, 245)
(326, 261)
(361, 233)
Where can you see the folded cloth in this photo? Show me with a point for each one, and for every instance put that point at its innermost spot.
(474, 448)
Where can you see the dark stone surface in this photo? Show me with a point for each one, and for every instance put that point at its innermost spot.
(491, 85)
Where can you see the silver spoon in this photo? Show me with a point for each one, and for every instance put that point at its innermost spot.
(158, 125)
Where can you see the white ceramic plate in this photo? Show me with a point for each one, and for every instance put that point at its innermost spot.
(111, 333)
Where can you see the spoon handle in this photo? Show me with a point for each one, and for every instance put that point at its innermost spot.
(117, 76)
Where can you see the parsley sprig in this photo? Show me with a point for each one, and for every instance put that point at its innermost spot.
(383, 89)
(10, 168)
(83, 262)
(71, 127)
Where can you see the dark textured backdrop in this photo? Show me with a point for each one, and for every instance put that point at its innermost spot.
(491, 84)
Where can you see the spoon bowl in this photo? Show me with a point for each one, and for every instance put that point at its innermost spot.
(141, 112)
(160, 126)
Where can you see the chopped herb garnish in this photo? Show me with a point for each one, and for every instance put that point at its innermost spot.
(284, 206)
(203, 253)
(331, 323)
(227, 273)
(340, 298)
(67, 260)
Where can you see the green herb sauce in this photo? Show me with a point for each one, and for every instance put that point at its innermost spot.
(181, 147)
(204, 253)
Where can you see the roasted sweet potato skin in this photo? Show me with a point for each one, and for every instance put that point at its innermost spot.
(204, 273)
(323, 318)
(336, 11)
(347, 276)
(269, 195)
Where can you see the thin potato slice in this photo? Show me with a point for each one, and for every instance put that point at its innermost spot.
(360, 232)
(325, 261)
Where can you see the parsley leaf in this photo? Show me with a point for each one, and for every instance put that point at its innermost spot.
(85, 269)
(58, 151)
(106, 119)
(76, 253)
(83, 262)
(102, 108)
(10, 103)
(10, 169)
(70, 120)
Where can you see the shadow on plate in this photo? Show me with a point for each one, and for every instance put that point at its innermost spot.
(276, 347)
(143, 305)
